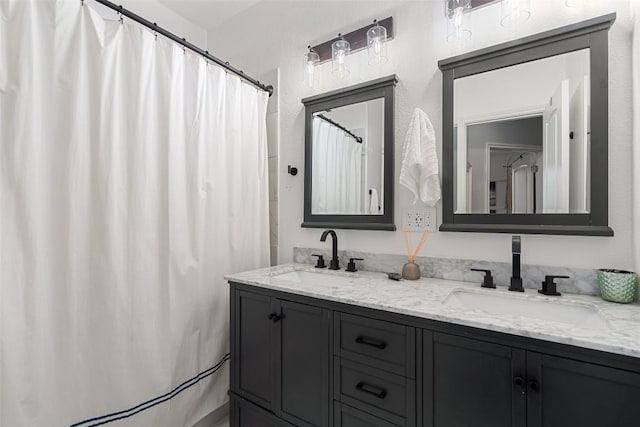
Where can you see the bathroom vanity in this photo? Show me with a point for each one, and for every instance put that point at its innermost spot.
(318, 348)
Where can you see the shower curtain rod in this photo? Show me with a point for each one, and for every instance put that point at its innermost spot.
(339, 126)
(181, 41)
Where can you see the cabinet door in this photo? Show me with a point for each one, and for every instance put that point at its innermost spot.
(471, 383)
(254, 367)
(564, 392)
(303, 352)
(243, 413)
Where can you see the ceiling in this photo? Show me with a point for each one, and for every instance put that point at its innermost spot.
(209, 14)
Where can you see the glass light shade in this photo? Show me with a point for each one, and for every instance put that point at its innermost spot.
(339, 51)
(515, 12)
(458, 21)
(311, 61)
(377, 44)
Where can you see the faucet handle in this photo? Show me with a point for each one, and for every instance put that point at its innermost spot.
(549, 287)
(351, 266)
(320, 263)
(488, 278)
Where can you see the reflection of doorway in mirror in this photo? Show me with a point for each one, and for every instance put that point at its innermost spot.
(523, 185)
(555, 141)
(514, 179)
(493, 107)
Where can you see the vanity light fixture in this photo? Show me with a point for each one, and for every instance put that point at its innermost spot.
(311, 61)
(339, 51)
(377, 44)
(373, 37)
(457, 20)
(515, 12)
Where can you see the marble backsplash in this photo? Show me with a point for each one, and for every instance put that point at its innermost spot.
(583, 281)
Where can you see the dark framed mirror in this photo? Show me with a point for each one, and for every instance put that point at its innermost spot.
(525, 134)
(349, 161)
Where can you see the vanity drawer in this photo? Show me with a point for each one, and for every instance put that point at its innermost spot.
(346, 416)
(382, 394)
(378, 343)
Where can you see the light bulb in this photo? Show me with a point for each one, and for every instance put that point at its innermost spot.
(311, 60)
(339, 50)
(377, 44)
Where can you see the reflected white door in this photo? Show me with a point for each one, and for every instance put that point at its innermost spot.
(522, 189)
(555, 134)
(579, 149)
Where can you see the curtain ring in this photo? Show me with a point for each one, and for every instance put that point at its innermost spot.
(81, 2)
(120, 18)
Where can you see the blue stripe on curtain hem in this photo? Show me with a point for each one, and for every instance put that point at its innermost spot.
(109, 418)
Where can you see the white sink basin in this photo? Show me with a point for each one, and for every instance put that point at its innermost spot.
(532, 307)
(319, 277)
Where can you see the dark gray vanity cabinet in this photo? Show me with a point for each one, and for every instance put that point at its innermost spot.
(280, 361)
(564, 392)
(471, 383)
(300, 361)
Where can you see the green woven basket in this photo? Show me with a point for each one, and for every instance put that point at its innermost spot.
(617, 285)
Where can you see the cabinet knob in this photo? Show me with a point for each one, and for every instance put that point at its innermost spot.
(521, 383)
(534, 385)
(274, 317)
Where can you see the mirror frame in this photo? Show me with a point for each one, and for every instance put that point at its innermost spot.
(591, 34)
(380, 88)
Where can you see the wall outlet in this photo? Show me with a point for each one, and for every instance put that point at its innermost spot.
(419, 219)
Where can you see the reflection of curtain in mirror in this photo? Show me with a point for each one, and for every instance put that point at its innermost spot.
(336, 171)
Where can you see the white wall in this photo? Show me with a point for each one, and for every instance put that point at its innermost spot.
(276, 33)
(476, 95)
(154, 11)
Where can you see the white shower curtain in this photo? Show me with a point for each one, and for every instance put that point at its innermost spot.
(133, 176)
(336, 171)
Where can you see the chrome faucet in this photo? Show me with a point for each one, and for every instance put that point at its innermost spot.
(516, 280)
(334, 264)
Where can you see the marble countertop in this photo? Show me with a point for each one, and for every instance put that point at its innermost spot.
(425, 298)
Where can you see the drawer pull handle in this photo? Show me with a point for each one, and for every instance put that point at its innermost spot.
(372, 390)
(370, 341)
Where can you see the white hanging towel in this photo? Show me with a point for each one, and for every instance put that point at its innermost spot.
(419, 171)
(374, 205)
